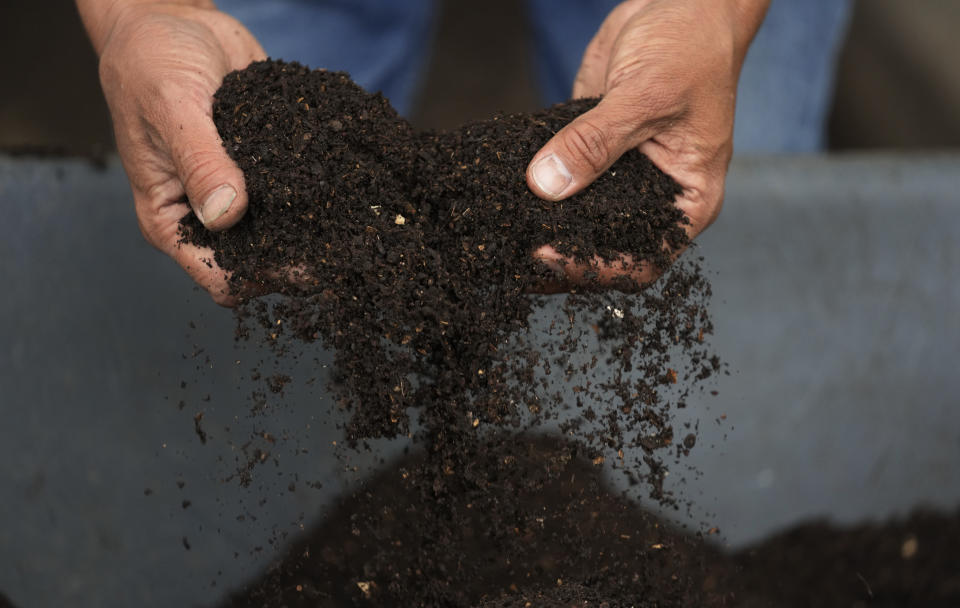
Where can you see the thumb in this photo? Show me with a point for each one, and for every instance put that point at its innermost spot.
(213, 182)
(584, 149)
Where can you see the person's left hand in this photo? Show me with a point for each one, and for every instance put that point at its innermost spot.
(667, 73)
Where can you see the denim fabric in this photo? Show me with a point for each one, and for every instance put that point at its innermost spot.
(383, 44)
(560, 31)
(785, 89)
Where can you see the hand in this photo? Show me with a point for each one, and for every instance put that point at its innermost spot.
(667, 71)
(160, 64)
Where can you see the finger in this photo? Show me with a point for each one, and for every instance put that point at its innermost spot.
(625, 274)
(295, 278)
(593, 68)
(239, 45)
(703, 182)
(199, 264)
(592, 75)
(584, 149)
(213, 182)
(158, 215)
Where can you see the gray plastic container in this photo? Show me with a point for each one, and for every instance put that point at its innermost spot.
(837, 307)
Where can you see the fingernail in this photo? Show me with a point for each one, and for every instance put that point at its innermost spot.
(551, 175)
(217, 204)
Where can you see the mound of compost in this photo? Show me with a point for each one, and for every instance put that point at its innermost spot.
(549, 531)
(588, 546)
(412, 256)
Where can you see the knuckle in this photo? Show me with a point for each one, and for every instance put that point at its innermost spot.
(185, 92)
(589, 143)
(703, 205)
(714, 211)
(650, 93)
(150, 230)
(221, 297)
(581, 86)
(107, 70)
(154, 218)
(198, 170)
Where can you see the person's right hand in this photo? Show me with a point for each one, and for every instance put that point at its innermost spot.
(666, 72)
(160, 64)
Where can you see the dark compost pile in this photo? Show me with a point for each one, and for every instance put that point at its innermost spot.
(411, 256)
(903, 562)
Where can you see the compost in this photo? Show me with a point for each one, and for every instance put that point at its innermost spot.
(413, 257)
(595, 548)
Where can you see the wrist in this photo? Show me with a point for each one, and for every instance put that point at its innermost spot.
(100, 16)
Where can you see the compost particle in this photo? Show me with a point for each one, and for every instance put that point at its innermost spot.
(410, 255)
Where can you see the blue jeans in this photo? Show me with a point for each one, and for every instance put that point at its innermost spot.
(785, 88)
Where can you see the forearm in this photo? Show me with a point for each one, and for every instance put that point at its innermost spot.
(99, 16)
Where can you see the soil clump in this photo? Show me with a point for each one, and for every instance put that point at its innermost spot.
(548, 530)
(592, 547)
(411, 255)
